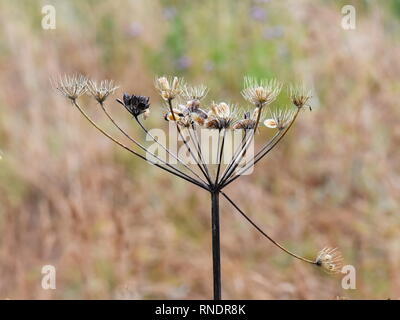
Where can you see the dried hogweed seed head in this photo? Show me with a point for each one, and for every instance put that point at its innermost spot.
(169, 88)
(221, 116)
(182, 119)
(300, 96)
(136, 105)
(71, 87)
(245, 124)
(249, 120)
(198, 118)
(280, 118)
(221, 110)
(101, 91)
(193, 108)
(163, 84)
(261, 92)
(193, 105)
(175, 115)
(194, 93)
(330, 260)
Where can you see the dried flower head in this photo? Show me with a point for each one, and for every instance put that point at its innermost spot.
(199, 118)
(195, 93)
(330, 259)
(249, 120)
(102, 90)
(280, 118)
(186, 115)
(175, 115)
(261, 92)
(193, 107)
(169, 88)
(181, 115)
(136, 105)
(220, 110)
(71, 86)
(300, 96)
(221, 116)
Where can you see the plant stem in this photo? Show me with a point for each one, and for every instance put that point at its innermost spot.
(216, 244)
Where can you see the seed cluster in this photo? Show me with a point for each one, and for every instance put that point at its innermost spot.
(223, 115)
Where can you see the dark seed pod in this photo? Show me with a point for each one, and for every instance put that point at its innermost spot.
(136, 105)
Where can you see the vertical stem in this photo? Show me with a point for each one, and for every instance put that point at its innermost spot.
(216, 244)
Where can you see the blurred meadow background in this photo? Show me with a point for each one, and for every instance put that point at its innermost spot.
(117, 228)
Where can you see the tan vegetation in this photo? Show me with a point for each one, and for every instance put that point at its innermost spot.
(115, 227)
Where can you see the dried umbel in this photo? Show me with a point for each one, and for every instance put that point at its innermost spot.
(136, 105)
(261, 92)
(330, 260)
(249, 120)
(221, 116)
(280, 118)
(194, 93)
(300, 96)
(71, 87)
(186, 115)
(169, 88)
(189, 113)
(101, 91)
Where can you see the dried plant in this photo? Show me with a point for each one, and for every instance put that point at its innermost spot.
(190, 118)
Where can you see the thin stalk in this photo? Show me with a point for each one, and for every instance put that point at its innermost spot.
(264, 233)
(220, 154)
(203, 186)
(197, 145)
(233, 176)
(167, 150)
(236, 161)
(185, 142)
(219, 138)
(235, 155)
(139, 144)
(197, 138)
(238, 158)
(216, 247)
(265, 152)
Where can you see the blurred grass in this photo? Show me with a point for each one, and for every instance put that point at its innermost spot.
(117, 228)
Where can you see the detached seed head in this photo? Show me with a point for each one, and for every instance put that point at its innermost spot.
(71, 87)
(261, 92)
(136, 105)
(102, 90)
(330, 260)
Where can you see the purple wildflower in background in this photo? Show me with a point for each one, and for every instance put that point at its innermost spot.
(208, 66)
(169, 13)
(258, 13)
(183, 62)
(134, 29)
(273, 32)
